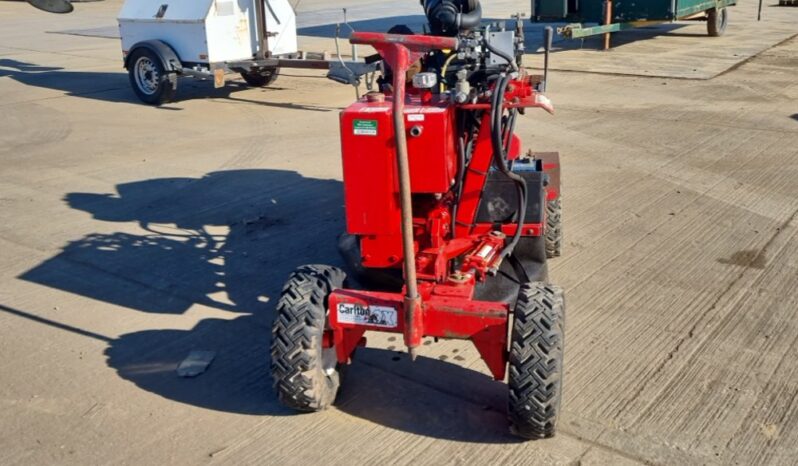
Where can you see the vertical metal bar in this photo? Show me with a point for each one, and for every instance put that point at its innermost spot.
(607, 20)
(759, 12)
(548, 34)
(412, 300)
(260, 34)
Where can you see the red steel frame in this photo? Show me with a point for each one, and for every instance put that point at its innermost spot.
(443, 305)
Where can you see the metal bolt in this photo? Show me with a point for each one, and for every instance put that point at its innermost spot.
(459, 277)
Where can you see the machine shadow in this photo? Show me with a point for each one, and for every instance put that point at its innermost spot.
(237, 380)
(428, 397)
(227, 240)
(215, 240)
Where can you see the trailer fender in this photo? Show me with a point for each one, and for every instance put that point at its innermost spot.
(168, 56)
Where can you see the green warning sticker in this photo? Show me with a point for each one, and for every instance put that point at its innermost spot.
(365, 127)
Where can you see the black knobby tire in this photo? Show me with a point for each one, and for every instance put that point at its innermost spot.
(306, 376)
(553, 232)
(260, 78)
(151, 82)
(717, 19)
(536, 360)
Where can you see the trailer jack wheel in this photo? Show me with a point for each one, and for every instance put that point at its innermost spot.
(262, 77)
(306, 375)
(151, 82)
(717, 19)
(536, 360)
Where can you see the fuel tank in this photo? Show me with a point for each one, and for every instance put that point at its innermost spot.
(371, 185)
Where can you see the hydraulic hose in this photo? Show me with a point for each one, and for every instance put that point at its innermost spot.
(444, 68)
(500, 155)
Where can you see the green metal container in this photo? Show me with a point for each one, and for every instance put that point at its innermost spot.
(592, 11)
(626, 14)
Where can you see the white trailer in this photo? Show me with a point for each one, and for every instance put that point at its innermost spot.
(208, 32)
(165, 39)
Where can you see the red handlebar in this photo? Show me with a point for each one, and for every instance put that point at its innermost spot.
(413, 43)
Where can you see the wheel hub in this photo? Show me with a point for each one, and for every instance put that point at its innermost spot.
(147, 76)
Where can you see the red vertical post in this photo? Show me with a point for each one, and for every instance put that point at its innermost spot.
(399, 51)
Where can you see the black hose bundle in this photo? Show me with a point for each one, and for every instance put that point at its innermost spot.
(501, 136)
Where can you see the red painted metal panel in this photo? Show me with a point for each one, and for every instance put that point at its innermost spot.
(371, 190)
(370, 184)
(381, 250)
(443, 315)
(432, 153)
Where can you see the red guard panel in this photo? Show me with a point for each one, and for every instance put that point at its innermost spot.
(430, 147)
(484, 323)
(371, 189)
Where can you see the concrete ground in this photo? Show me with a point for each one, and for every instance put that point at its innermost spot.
(132, 235)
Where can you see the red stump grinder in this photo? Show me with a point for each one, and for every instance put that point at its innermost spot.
(448, 224)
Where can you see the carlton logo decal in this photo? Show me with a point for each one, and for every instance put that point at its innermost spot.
(378, 316)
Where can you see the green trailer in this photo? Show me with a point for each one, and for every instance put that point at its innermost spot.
(618, 15)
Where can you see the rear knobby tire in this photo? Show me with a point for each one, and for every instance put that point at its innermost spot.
(262, 77)
(717, 19)
(536, 361)
(554, 228)
(306, 376)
